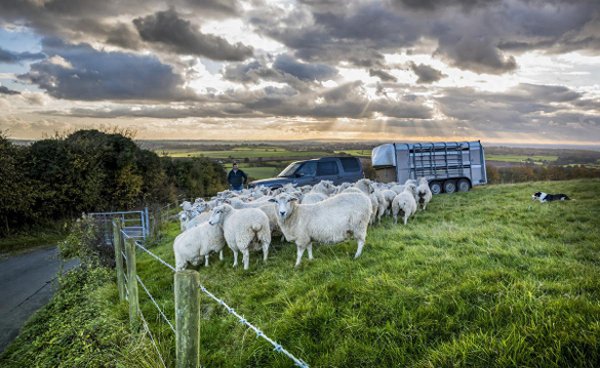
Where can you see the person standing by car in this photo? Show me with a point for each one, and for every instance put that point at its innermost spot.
(236, 178)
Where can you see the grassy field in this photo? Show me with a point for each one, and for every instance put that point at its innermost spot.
(260, 172)
(540, 159)
(486, 278)
(242, 152)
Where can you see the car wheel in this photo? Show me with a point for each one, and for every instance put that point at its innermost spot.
(436, 187)
(449, 186)
(463, 185)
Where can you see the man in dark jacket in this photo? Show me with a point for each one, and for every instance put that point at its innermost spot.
(236, 178)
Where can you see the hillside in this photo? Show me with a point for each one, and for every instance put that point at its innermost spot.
(485, 278)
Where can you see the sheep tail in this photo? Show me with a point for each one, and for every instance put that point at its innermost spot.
(256, 227)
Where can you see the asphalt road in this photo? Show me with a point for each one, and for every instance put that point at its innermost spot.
(27, 282)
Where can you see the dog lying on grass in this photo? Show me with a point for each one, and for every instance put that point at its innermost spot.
(545, 197)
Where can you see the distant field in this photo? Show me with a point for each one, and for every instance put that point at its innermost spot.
(261, 172)
(521, 158)
(245, 152)
(359, 153)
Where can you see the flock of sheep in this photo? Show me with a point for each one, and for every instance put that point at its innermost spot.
(322, 213)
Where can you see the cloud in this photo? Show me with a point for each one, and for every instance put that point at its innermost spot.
(11, 57)
(7, 91)
(382, 74)
(426, 73)
(85, 73)
(179, 35)
(303, 71)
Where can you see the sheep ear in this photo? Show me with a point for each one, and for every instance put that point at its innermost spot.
(273, 200)
(293, 199)
(227, 201)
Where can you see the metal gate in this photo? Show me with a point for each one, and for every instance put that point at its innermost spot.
(136, 224)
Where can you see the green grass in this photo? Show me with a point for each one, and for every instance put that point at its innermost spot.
(35, 238)
(486, 278)
(539, 159)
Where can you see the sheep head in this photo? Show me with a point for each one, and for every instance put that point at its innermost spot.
(286, 203)
(219, 213)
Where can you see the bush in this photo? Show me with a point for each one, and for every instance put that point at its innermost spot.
(86, 242)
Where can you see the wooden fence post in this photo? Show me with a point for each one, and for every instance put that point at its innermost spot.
(118, 244)
(187, 319)
(134, 303)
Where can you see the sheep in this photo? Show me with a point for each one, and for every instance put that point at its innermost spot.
(424, 193)
(367, 188)
(389, 196)
(203, 217)
(267, 207)
(183, 220)
(329, 221)
(405, 203)
(325, 187)
(343, 187)
(197, 242)
(313, 197)
(241, 227)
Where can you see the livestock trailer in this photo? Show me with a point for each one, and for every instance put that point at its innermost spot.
(448, 166)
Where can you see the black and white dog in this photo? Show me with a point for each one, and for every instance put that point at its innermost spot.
(545, 197)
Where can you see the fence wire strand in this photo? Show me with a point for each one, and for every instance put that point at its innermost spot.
(137, 243)
(147, 328)
(155, 303)
(259, 333)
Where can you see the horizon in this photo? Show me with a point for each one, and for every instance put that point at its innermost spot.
(514, 72)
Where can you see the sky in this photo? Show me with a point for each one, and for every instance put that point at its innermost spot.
(513, 71)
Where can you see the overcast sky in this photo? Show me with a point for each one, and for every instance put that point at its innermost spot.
(515, 71)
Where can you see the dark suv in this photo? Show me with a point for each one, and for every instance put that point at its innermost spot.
(310, 172)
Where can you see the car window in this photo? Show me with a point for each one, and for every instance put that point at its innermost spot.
(290, 170)
(308, 169)
(327, 168)
(350, 164)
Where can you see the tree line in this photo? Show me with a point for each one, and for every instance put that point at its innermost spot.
(90, 170)
(522, 173)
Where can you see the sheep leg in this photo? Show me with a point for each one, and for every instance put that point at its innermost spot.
(235, 255)
(299, 253)
(221, 255)
(246, 258)
(361, 244)
(206, 260)
(310, 256)
(265, 249)
(405, 218)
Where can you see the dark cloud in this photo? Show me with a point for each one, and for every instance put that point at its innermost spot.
(382, 74)
(436, 4)
(476, 53)
(179, 35)
(88, 74)
(426, 73)
(11, 57)
(7, 91)
(218, 7)
(303, 71)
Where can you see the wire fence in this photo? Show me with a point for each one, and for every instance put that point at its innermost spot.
(124, 237)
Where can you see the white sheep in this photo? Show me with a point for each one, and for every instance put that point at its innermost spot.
(405, 204)
(183, 220)
(242, 227)
(365, 186)
(330, 221)
(389, 196)
(203, 217)
(197, 242)
(424, 193)
(313, 197)
(325, 187)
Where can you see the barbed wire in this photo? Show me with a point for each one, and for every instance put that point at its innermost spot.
(155, 303)
(259, 333)
(145, 323)
(137, 243)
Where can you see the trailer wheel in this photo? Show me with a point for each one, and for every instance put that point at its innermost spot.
(436, 187)
(449, 186)
(463, 185)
